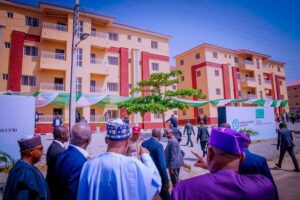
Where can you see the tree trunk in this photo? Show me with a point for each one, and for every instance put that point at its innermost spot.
(164, 120)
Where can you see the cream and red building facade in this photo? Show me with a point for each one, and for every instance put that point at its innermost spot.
(222, 73)
(293, 90)
(36, 56)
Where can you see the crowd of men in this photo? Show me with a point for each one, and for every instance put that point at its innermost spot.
(133, 168)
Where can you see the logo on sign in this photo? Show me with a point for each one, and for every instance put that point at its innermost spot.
(235, 124)
(260, 114)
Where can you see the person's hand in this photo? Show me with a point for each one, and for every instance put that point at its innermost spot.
(143, 150)
(200, 162)
(166, 186)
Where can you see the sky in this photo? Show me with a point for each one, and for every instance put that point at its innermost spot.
(270, 27)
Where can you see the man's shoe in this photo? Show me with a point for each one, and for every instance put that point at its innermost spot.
(296, 170)
(277, 165)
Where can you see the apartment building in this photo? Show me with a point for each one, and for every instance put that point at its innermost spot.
(36, 45)
(293, 90)
(222, 73)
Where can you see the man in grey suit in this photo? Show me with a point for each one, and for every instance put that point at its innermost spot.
(285, 142)
(60, 135)
(189, 129)
(173, 156)
(203, 135)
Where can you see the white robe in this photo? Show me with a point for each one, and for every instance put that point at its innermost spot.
(115, 176)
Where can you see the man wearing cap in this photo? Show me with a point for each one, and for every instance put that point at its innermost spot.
(157, 154)
(225, 153)
(60, 136)
(135, 141)
(113, 175)
(69, 163)
(25, 181)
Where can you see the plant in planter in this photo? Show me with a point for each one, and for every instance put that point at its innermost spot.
(249, 131)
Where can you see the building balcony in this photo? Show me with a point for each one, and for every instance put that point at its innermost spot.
(52, 60)
(96, 118)
(266, 66)
(268, 84)
(56, 32)
(247, 65)
(248, 82)
(251, 96)
(99, 66)
(52, 87)
(98, 39)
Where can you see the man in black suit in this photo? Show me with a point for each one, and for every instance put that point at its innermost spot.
(285, 142)
(156, 150)
(203, 135)
(60, 135)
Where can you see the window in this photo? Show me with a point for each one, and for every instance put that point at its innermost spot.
(80, 28)
(257, 63)
(93, 58)
(155, 67)
(225, 55)
(173, 87)
(259, 79)
(184, 113)
(113, 36)
(30, 51)
(239, 76)
(197, 56)
(129, 86)
(218, 91)
(129, 37)
(280, 82)
(200, 111)
(59, 54)
(154, 45)
(182, 78)
(236, 60)
(93, 32)
(4, 77)
(7, 45)
(157, 116)
(217, 72)
(112, 60)
(112, 114)
(139, 39)
(33, 22)
(28, 80)
(181, 62)
(215, 54)
(10, 15)
(240, 93)
(129, 60)
(79, 57)
(198, 73)
(261, 94)
(113, 87)
(278, 69)
(294, 96)
(282, 96)
(78, 84)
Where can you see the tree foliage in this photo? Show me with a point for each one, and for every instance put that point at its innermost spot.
(156, 97)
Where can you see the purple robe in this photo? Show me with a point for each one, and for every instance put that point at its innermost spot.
(224, 184)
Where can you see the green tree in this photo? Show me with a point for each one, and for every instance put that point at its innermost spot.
(156, 98)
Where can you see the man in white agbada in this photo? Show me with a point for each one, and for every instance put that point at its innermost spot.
(113, 175)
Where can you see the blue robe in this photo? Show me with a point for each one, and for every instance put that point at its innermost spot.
(67, 173)
(255, 164)
(115, 176)
(25, 181)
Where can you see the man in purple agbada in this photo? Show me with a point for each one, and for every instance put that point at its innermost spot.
(225, 153)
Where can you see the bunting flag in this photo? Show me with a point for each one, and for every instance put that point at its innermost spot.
(87, 99)
(192, 103)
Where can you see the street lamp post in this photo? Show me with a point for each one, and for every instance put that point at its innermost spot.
(76, 38)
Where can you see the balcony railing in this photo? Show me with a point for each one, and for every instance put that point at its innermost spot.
(52, 55)
(52, 86)
(78, 87)
(99, 34)
(252, 79)
(46, 119)
(268, 82)
(266, 65)
(96, 89)
(98, 61)
(248, 62)
(269, 97)
(58, 27)
(251, 96)
(96, 118)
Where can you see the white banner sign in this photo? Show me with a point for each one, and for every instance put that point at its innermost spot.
(260, 119)
(16, 122)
